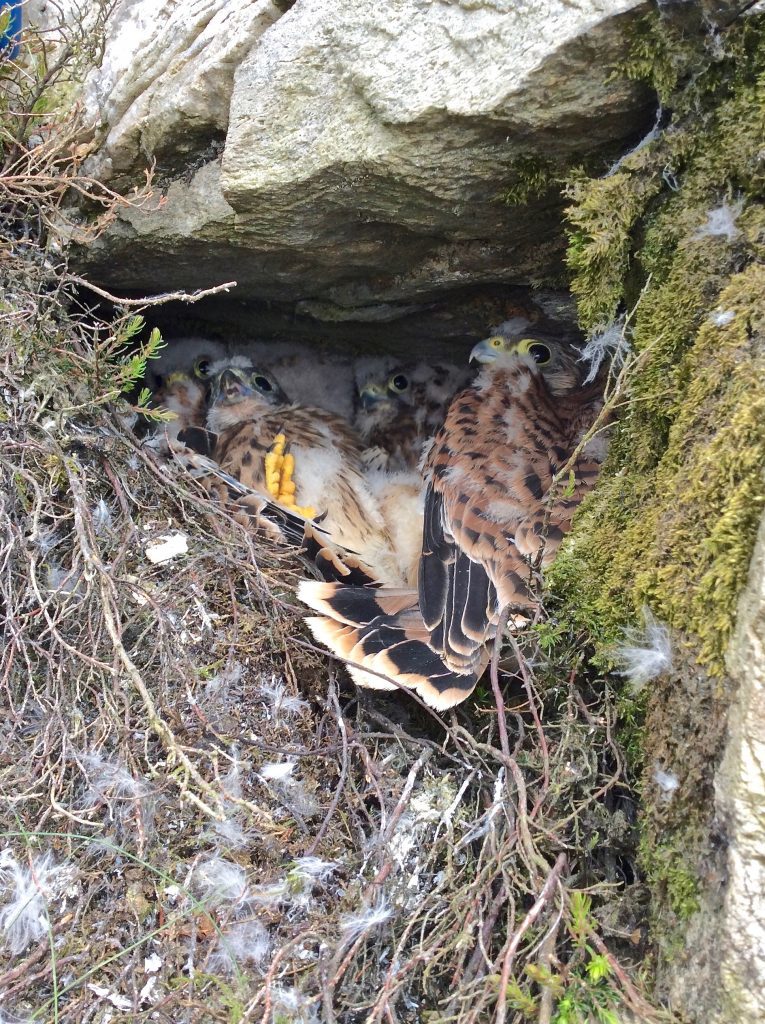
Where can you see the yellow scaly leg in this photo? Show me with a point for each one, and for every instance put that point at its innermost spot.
(280, 469)
(273, 465)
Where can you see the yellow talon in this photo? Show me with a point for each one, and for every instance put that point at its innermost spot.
(286, 483)
(272, 475)
(279, 470)
(306, 511)
(273, 465)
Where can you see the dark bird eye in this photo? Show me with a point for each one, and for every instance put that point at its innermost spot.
(263, 384)
(540, 353)
(202, 367)
(399, 382)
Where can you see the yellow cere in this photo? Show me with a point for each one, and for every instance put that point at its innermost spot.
(177, 377)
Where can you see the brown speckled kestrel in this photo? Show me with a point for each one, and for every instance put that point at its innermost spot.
(494, 511)
(400, 409)
(248, 411)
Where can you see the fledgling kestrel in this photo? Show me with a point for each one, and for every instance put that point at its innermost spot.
(497, 505)
(248, 410)
(178, 381)
(401, 407)
(312, 376)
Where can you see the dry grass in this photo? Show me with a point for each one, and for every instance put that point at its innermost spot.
(201, 820)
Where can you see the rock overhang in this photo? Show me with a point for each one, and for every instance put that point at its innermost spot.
(365, 149)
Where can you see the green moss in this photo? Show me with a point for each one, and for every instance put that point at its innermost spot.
(655, 55)
(603, 217)
(710, 146)
(667, 870)
(673, 523)
(532, 177)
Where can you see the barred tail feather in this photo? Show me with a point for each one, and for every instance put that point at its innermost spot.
(358, 606)
(386, 656)
(409, 663)
(335, 636)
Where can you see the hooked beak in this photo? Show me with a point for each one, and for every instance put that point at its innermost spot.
(483, 352)
(372, 395)
(228, 387)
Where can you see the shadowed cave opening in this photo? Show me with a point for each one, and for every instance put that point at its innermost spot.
(442, 324)
(439, 327)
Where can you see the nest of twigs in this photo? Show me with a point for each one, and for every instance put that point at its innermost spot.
(202, 820)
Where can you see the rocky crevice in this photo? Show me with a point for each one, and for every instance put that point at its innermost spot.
(365, 148)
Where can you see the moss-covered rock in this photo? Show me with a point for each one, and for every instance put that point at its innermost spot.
(673, 238)
(674, 521)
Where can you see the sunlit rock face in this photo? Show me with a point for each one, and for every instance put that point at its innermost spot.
(351, 155)
(164, 88)
(740, 786)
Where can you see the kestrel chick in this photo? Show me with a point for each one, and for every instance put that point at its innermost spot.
(400, 409)
(248, 410)
(312, 376)
(178, 381)
(493, 511)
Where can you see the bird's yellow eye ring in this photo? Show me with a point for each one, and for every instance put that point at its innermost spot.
(398, 382)
(202, 367)
(538, 351)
